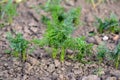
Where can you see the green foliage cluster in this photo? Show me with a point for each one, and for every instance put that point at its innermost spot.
(116, 55)
(80, 46)
(104, 53)
(58, 36)
(7, 11)
(102, 50)
(18, 45)
(110, 24)
(59, 29)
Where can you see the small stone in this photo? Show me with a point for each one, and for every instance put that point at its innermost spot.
(6, 65)
(105, 38)
(51, 68)
(59, 71)
(67, 63)
(116, 37)
(111, 78)
(91, 77)
(69, 51)
(63, 69)
(57, 63)
(33, 61)
(61, 77)
(98, 39)
(77, 71)
(91, 40)
(70, 2)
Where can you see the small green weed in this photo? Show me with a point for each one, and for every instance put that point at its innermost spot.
(7, 11)
(110, 24)
(103, 53)
(102, 50)
(18, 45)
(79, 46)
(59, 29)
(116, 55)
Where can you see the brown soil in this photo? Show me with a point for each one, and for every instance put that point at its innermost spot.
(39, 65)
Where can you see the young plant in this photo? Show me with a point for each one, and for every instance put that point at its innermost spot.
(18, 45)
(102, 50)
(116, 55)
(110, 24)
(60, 27)
(80, 47)
(7, 10)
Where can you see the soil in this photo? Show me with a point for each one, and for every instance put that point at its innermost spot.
(39, 65)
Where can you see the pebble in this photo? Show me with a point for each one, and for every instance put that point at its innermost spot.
(33, 61)
(98, 39)
(91, 77)
(77, 71)
(69, 51)
(70, 2)
(67, 63)
(91, 40)
(57, 63)
(116, 37)
(61, 77)
(105, 38)
(51, 68)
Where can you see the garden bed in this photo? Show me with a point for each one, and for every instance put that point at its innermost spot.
(39, 65)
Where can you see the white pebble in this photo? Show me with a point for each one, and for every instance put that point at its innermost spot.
(105, 38)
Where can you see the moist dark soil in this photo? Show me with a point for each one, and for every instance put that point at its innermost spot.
(39, 65)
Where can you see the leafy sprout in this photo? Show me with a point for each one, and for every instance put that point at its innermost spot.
(7, 10)
(102, 51)
(110, 24)
(60, 27)
(18, 45)
(116, 55)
